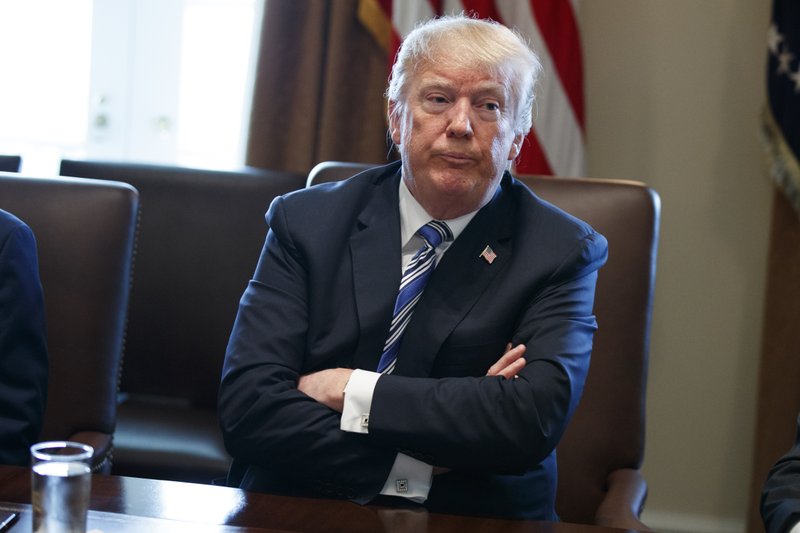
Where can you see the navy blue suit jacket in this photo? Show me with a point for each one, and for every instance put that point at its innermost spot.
(780, 498)
(23, 348)
(322, 297)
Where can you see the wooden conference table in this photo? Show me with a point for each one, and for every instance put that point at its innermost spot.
(125, 504)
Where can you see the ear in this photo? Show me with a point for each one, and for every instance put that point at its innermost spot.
(516, 146)
(394, 122)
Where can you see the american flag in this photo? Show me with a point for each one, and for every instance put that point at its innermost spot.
(781, 120)
(488, 254)
(556, 144)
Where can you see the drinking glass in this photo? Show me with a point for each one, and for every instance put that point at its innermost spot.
(61, 478)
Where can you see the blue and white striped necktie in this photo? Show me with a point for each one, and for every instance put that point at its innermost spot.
(412, 284)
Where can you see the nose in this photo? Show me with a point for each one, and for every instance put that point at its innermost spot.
(459, 123)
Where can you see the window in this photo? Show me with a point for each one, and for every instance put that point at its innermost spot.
(164, 81)
(44, 78)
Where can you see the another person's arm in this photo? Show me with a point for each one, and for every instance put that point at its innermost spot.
(23, 349)
(780, 497)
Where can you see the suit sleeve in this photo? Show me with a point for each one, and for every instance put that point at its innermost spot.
(490, 423)
(780, 497)
(265, 420)
(23, 349)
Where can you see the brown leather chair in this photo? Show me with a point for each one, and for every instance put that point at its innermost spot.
(85, 233)
(10, 163)
(600, 454)
(200, 235)
(328, 171)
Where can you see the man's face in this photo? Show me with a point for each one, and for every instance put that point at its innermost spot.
(456, 137)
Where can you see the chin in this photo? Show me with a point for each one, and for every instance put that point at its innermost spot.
(455, 185)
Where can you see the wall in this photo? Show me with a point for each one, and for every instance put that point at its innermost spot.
(674, 91)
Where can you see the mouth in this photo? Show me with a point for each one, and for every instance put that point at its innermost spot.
(456, 158)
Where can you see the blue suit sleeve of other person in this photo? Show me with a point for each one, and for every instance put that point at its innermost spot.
(23, 347)
(322, 297)
(780, 498)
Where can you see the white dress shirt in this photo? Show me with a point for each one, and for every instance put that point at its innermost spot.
(409, 477)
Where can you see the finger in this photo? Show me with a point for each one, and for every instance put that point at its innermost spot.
(513, 369)
(508, 357)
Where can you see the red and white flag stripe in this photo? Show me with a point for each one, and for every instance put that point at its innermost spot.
(556, 145)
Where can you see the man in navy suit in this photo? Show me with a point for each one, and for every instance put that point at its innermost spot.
(492, 362)
(23, 348)
(780, 497)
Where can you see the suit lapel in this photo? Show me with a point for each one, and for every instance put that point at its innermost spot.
(461, 277)
(375, 252)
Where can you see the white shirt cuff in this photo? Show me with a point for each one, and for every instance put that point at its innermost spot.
(795, 529)
(409, 478)
(358, 401)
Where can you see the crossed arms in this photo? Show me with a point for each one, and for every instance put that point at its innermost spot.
(286, 368)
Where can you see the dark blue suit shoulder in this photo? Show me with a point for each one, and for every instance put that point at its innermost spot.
(9, 224)
(541, 228)
(329, 205)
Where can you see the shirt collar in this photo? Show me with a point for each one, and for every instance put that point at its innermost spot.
(413, 216)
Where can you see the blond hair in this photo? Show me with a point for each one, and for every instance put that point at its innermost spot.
(462, 42)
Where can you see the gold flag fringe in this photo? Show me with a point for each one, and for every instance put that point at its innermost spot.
(372, 16)
(783, 165)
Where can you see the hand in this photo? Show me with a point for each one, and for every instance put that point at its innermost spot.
(326, 386)
(510, 364)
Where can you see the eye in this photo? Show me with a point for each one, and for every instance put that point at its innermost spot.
(491, 106)
(437, 99)
(435, 102)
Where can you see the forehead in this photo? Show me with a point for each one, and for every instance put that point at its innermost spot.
(460, 79)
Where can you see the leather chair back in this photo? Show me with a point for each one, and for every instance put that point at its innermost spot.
(606, 434)
(328, 171)
(601, 452)
(10, 163)
(200, 235)
(85, 232)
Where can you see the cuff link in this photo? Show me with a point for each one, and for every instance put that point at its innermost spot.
(365, 421)
(401, 485)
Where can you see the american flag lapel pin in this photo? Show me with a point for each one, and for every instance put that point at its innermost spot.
(488, 254)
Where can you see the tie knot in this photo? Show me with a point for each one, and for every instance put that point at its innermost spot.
(434, 232)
